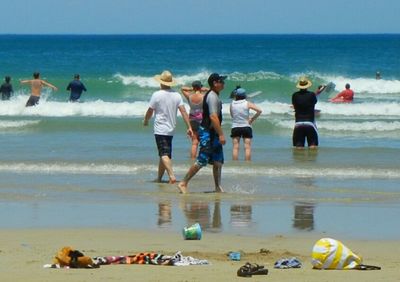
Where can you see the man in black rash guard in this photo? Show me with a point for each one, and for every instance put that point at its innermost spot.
(304, 105)
(76, 87)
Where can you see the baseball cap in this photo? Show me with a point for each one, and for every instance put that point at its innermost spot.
(197, 84)
(241, 92)
(215, 77)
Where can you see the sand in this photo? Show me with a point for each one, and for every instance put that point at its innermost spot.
(24, 252)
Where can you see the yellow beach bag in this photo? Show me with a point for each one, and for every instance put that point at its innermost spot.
(329, 253)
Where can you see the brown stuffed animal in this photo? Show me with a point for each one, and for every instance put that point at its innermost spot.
(73, 258)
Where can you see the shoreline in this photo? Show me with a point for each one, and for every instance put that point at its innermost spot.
(25, 251)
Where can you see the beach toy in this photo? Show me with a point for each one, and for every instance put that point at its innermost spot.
(192, 232)
(234, 256)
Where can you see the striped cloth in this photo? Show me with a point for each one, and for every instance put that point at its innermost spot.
(332, 254)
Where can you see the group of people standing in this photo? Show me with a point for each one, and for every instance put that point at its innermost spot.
(205, 118)
(76, 87)
(203, 125)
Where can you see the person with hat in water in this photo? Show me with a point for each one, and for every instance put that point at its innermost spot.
(210, 134)
(303, 102)
(194, 96)
(165, 104)
(241, 123)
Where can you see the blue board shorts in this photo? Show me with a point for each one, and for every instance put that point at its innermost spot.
(164, 145)
(210, 150)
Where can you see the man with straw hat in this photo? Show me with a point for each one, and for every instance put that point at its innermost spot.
(304, 106)
(165, 103)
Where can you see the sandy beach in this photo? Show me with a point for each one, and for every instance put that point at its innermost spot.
(23, 253)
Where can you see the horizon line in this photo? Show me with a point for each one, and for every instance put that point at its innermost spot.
(183, 34)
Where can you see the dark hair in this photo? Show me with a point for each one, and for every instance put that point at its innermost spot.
(36, 75)
(7, 79)
(76, 76)
(347, 86)
(240, 97)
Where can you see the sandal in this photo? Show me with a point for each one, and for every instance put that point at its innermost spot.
(249, 269)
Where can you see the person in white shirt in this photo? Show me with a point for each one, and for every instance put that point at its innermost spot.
(241, 123)
(165, 103)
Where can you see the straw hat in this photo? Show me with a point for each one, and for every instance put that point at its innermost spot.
(303, 83)
(165, 78)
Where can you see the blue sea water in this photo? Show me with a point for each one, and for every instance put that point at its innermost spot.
(96, 157)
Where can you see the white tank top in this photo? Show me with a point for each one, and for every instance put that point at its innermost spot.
(240, 114)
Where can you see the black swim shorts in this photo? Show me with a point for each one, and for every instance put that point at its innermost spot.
(164, 145)
(301, 132)
(242, 132)
(32, 101)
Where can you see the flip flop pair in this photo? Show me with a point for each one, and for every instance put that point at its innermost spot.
(250, 269)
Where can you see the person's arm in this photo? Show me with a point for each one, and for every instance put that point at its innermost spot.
(217, 127)
(186, 91)
(11, 89)
(256, 109)
(338, 97)
(49, 85)
(185, 117)
(148, 116)
(230, 110)
(69, 87)
(204, 89)
(25, 81)
(83, 87)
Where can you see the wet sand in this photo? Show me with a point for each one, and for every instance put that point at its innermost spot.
(23, 252)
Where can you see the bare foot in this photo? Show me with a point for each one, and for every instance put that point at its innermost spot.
(182, 186)
(219, 189)
(172, 181)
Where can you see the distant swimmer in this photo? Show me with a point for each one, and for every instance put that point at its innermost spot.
(36, 88)
(303, 102)
(76, 87)
(242, 123)
(378, 75)
(6, 89)
(346, 96)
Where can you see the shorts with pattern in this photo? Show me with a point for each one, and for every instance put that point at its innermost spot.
(164, 145)
(210, 150)
(242, 132)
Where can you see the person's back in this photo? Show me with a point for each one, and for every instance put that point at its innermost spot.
(304, 105)
(76, 87)
(165, 104)
(36, 87)
(240, 113)
(6, 89)
(196, 106)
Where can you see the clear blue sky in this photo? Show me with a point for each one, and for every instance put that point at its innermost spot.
(199, 16)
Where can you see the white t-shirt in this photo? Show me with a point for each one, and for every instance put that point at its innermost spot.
(165, 104)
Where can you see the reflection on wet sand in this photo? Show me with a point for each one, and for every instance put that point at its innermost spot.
(303, 216)
(164, 214)
(199, 211)
(241, 216)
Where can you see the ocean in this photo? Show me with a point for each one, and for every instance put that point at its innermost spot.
(92, 164)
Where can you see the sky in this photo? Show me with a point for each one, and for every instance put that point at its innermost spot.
(199, 16)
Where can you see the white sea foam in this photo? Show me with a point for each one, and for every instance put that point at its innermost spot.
(124, 169)
(99, 108)
(366, 85)
(12, 124)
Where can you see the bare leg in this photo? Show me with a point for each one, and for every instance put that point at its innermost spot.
(247, 149)
(217, 170)
(235, 148)
(195, 144)
(167, 163)
(161, 170)
(182, 186)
